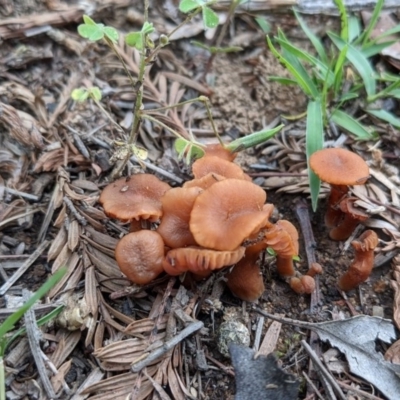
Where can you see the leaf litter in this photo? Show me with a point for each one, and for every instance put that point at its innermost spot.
(114, 320)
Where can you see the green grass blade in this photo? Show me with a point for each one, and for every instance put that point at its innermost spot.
(319, 47)
(392, 31)
(374, 49)
(338, 73)
(354, 28)
(297, 70)
(253, 139)
(360, 63)
(351, 125)
(41, 321)
(303, 55)
(344, 22)
(385, 116)
(9, 322)
(314, 142)
(365, 37)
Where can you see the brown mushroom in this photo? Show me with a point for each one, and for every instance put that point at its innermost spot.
(340, 168)
(361, 267)
(205, 181)
(177, 204)
(227, 213)
(352, 216)
(303, 284)
(135, 197)
(216, 149)
(245, 280)
(199, 260)
(140, 256)
(283, 238)
(315, 269)
(217, 165)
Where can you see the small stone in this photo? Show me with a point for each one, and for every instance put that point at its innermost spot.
(377, 311)
(232, 332)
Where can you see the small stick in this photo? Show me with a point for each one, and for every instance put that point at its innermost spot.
(311, 383)
(24, 267)
(75, 212)
(358, 391)
(22, 194)
(323, 370)
(220, 365)
(33, 334)
(170, 344)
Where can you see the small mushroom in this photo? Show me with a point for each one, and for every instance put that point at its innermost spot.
(199, 260)
(140, 256)
(227, 213)
(177, 204)
(303, 284)
(216, 149)
(283, 238)
(217, 165)
(245, 280)
(361, 267)
(315, 269)
(352, 216)
(205, 181)
(340, 168)
(135, 197)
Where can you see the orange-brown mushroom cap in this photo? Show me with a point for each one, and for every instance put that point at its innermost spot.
(339, 167)
(216, 149)
(214, 164)
(304, 284)
(134, 197)
(140, 256)
(227, 213)
(177, 204)
(198, 260)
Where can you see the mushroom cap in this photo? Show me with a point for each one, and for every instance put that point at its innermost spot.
(348, 206)
(198, 260)
(134, 197)
(283, 238)
(366, 242)
(303, 284)
(216, 149)
(339, 167)
(227, 213)
(245, 280)
(205, 181)
(217, 165)
(177, 204)
(140, 256)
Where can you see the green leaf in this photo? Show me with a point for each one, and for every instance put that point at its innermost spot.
(147, 28)
(297, 70)
(338, 73)
(111, 33)
(319, 47)
(303, 55)
(394, 93)
(9, 323)
(385, 116)
(373, 49)
(80, 94)
(347, 96)
(263, 24)
(134, 39)
(354, 28)
(91, 32)
(253, 139)
(188, 149)
(87, 20)
(210, 18)
(351, 125)
(392, 31)
(95, 93)
(314, 142)
(359, 61)
(188, 5)
(344, 26)
(365, 37)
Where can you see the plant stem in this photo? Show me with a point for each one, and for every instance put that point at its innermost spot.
(113, 48)
(2, 380)
(165, 126)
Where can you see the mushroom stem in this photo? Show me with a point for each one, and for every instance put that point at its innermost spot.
(333, 213)
(304, 284)
(361, 267)
(284, 266)
(245, 280)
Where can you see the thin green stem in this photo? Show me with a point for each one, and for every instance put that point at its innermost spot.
(114, 49)
(154, 110)
(232, 8)
(207, 104)
(105, 112)
(2, 380)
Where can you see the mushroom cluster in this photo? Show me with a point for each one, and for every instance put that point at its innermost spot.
(218, 219)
